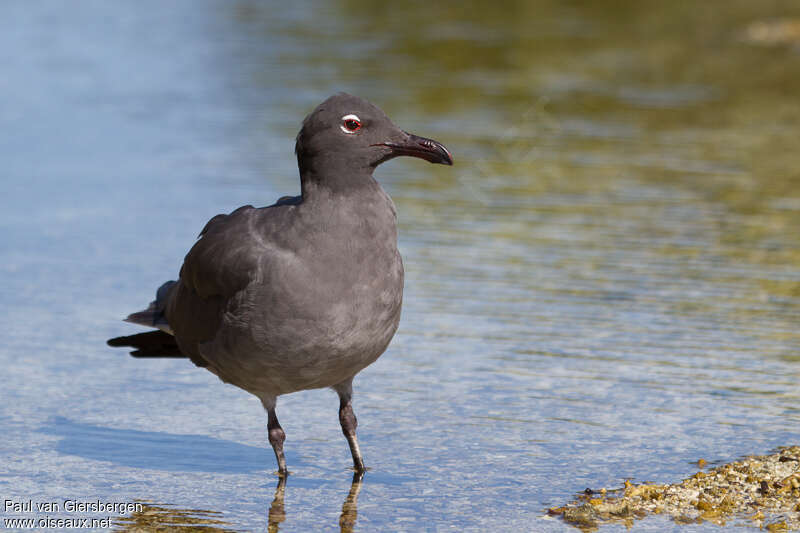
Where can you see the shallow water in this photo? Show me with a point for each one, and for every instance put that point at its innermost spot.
(605, 286)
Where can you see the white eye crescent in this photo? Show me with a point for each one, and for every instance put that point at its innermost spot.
(350, 124)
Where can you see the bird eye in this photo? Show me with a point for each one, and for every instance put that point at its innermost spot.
(350, 124)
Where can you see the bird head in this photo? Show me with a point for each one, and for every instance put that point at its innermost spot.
(347, 134)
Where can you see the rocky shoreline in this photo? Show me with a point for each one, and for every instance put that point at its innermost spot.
(762, 491)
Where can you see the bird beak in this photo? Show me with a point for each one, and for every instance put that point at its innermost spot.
(416, 146)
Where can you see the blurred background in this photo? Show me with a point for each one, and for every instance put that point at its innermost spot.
(605, 286)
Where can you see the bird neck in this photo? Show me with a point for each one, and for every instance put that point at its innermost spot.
(335, 181)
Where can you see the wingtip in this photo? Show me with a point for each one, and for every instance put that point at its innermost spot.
(116, 342)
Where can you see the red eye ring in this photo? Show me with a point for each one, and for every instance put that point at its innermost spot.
(350, 124)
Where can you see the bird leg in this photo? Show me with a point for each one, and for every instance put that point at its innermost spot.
(347, 418)
(276, 435)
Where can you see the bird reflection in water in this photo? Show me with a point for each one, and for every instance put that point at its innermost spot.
(160, 517)
(347, 518)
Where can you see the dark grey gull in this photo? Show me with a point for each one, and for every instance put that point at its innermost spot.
(302, 294)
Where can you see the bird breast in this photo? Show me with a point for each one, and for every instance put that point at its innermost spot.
(320, 314)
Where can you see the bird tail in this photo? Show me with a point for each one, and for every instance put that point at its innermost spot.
(159, 343)
(154, 316)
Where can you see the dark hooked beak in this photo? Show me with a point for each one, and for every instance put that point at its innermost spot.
(417, 146)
